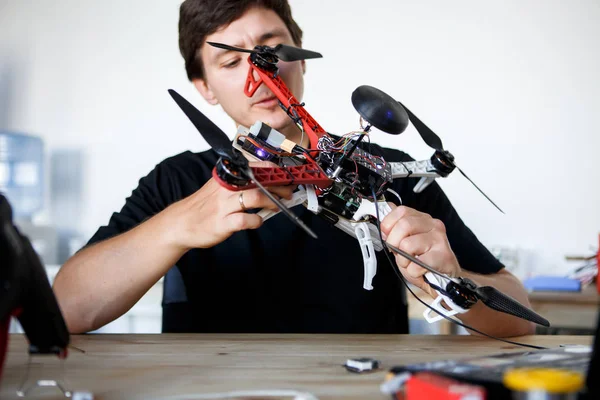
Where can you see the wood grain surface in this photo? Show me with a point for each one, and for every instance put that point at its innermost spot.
(179, 366)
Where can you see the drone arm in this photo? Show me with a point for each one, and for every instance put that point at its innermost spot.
(286, 98)
(419, 169)
(416, 169)
(281, 176)
(252, 84)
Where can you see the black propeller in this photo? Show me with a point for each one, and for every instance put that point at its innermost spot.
(434, 141)
(498, 301)
(281, 51)
(214, 136)
(222, 145)
(488, 295)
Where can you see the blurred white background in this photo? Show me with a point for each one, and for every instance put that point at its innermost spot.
(511, 87)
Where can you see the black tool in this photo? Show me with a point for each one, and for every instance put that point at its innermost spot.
(25, 293)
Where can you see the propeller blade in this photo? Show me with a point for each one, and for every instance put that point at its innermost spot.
(290, 53)
(228, 47)
(434, 141)
(481, 191)
(282, 51)
(428, 136)
(498, 301)
(293, 217)
(214, 136)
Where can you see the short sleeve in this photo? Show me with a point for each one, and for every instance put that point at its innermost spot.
(150, 197)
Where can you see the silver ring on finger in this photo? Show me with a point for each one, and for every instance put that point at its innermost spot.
(241, 201)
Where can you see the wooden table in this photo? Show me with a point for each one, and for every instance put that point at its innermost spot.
(160, 366)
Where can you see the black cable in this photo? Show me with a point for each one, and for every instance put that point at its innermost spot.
(436, 287)
(290, 174)
(399, 275)
(408, 171)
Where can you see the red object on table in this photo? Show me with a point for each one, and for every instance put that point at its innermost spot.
(598, 265)
(426, 386)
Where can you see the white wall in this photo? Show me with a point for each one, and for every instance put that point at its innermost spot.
(512, 88)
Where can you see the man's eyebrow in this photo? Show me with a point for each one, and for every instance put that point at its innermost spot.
(271, 34)
(263, 38)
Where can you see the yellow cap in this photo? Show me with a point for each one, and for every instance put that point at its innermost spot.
(551, 380)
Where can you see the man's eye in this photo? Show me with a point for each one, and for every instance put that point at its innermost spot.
(231, 64)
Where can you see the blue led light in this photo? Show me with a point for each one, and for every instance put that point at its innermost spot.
(261, 153)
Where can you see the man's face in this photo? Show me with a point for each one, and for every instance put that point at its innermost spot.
(225, 71)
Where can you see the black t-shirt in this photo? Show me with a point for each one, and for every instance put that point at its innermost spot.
(277, 278)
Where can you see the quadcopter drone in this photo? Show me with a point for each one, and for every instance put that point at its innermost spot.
(336, 178)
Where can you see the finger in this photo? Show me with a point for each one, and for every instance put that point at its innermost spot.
(419, 282)
(419, 244)
(402, 262)
(414, 276)
(241, 221)
(251, 198)
(285, 192)
(416, 245)
(397, 213)
(415, 271)
(407, 226)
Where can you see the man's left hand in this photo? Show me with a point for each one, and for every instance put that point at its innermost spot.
(421, 236)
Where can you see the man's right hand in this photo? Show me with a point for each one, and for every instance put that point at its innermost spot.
(141, 255)
(213, 213)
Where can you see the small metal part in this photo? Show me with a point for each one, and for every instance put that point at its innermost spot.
(360, 365)
(336, 173)
(83, 396)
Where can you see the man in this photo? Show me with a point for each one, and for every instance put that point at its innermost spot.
(225, 270)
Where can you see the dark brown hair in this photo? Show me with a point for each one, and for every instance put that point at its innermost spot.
(200, 18)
